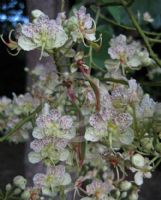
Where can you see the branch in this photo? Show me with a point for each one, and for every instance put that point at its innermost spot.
(110, 3)
(142, 34)
(128, 28)
(121, 81)
(20, 124)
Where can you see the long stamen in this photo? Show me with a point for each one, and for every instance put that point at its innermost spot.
(1, 36)
(42, 50)
(14, 54)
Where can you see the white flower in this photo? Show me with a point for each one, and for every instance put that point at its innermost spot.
(129, 54)
(140, 175)
(42, 33)
(118, 48)
(147, 17)
(99, 189)
(123, 120)
(147, 106)
(51, 123)
(50, 150)
(55, 176)
(4, 103)
(24, 103)
(143, 169)
(98, 129)
(81, 25)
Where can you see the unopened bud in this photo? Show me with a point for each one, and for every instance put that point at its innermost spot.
(17, 191)
(125, 185)
(133, 196)
(138, 160)
(8, 187)
(20, 182)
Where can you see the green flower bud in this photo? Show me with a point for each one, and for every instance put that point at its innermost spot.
(8, 187)
(25, 195)
(125, 185)
(158, 147)
(133, 196)
(117, 193)
(124, 195)
(17, 191)
(138, 160)
(147, 143)
(20, 182)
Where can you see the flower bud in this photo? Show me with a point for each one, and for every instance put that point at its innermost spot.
(117, 193)
(158, 147)
(8, 187)
(125, 185)
(124, 195)
(25, 195)
(147, 143)
(37, 13)
(20, 182)
(138, 160)
(17, 191)
(133, 196)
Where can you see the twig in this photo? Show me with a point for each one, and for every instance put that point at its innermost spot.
(128, 28)
(142, 34)
(20, 124)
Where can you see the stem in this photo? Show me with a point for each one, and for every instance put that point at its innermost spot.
(128, 28)
(142, 34)
(154, 40)
(62, 193)
(151, 84)
(157, 164)
(56, 60)
(20, 124)
(110, 3)
(154, 159)
(135, 124)
(62, 5)
(114, 80)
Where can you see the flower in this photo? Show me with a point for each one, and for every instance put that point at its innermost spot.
(49, 149)
(147, 17)
(98, 129)
(81, 25)
(55, 177)
(142, 168)
(42, 33)
(4, 103)
(147, 106)
(109, 119)
(99, 189)
(129, 54)
(24, 103)
(51, 123)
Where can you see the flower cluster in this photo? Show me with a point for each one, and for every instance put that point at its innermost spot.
(89, 130)
(49, 35)
(129, 54)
